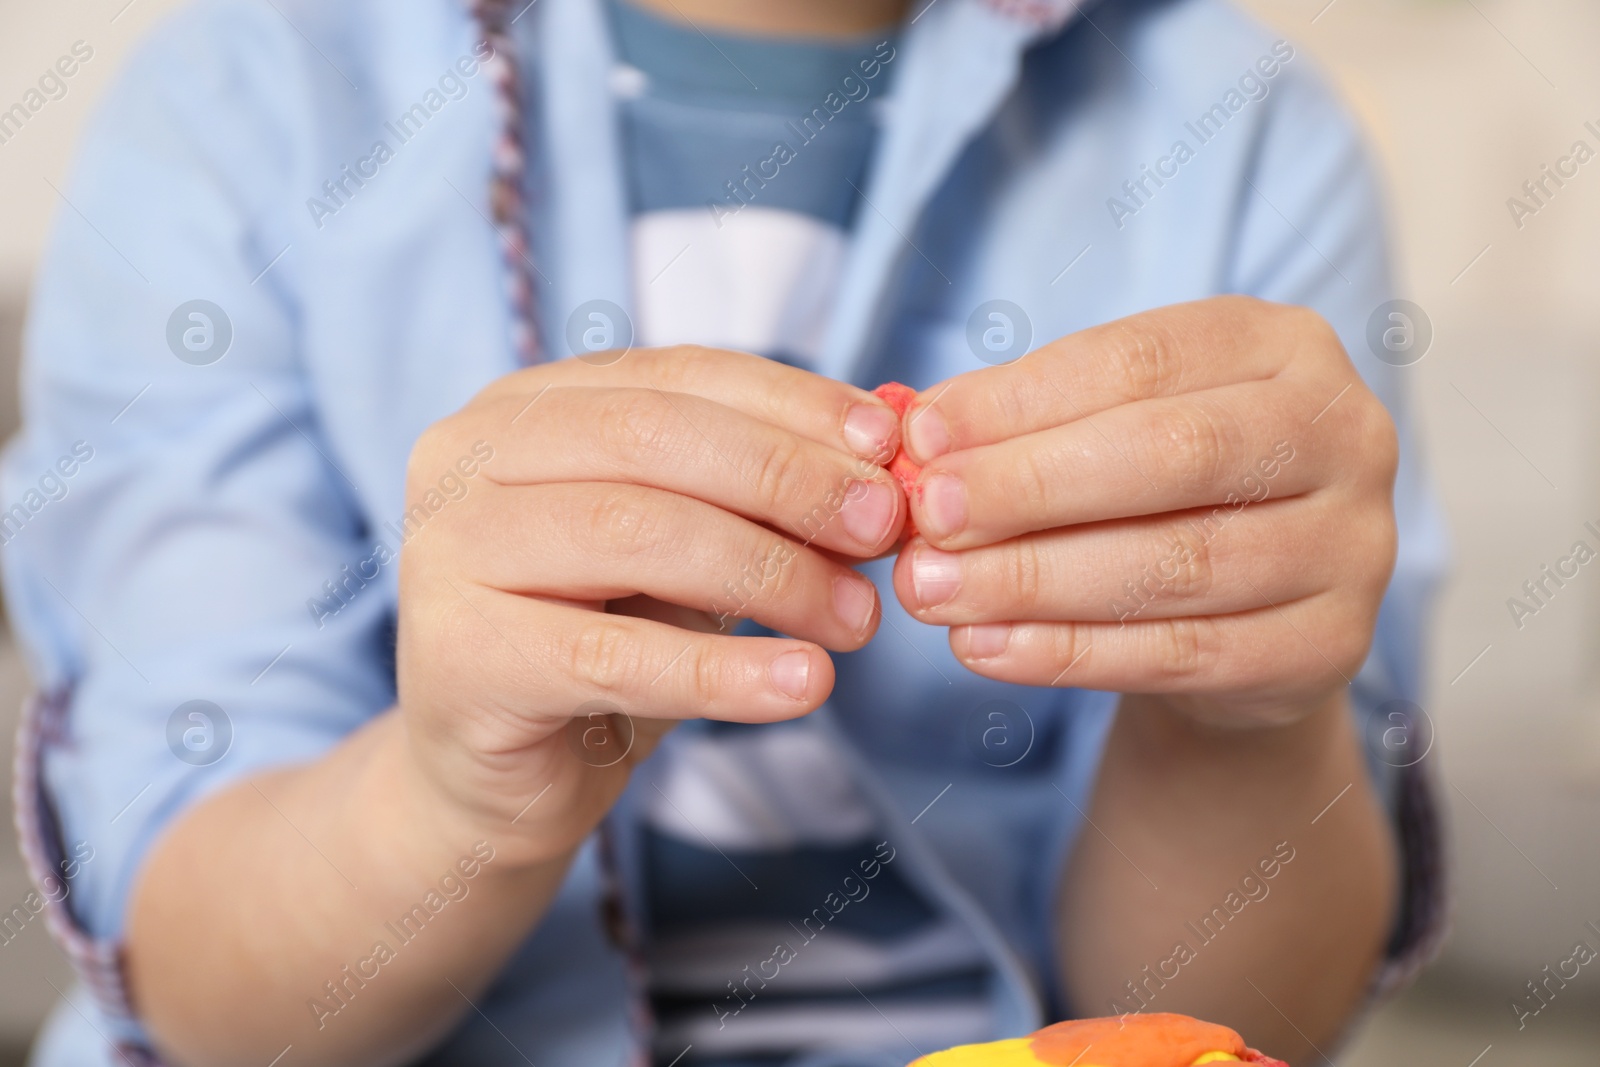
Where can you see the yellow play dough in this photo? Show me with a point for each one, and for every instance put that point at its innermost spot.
(1018, 1052)
(1013, 1053)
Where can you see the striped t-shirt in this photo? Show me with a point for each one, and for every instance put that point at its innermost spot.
(776, 919)
(745, 157)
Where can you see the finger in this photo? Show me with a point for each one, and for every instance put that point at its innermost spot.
(588, 542)
(538, 660)
(1220, 448)
(831, 413)
(687, 444)
(1199, 562)
(1273, 652)
(1165, 352)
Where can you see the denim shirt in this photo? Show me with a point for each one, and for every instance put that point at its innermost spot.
(1026, 155)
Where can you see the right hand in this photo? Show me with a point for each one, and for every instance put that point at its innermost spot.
(590, 564)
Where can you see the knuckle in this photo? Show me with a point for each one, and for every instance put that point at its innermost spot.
(777, 580)
(764, 577)
(1030, 578)
(1313, 327)
(1147, 362)
(1377, 429)
(603, 657)
(1296, 329)
(1186, 648)
(1192, 561)
(1015, 396)
(674, 366)
(1065, 648)
(1384, 549)
(448, 622)
(778, 469)
(1367, 528)
(1351, 652)
(1034, 480)
(434, 470)
(709, 675)
(1193, 441)
(622, 524)
(1339, 649)
(423, 461)
(640, 427)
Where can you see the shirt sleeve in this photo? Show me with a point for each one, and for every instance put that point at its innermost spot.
(172, 501)
(1312, 232)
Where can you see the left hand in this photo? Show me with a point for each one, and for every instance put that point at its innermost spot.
(1194, 503)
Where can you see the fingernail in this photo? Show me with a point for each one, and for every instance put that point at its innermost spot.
(790, 673)
(853, 601)
(987, 640)
(868, 429)
(927, 435)
(868, 509)
(944, 505)
(935, 575)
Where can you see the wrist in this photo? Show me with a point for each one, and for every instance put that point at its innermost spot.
(440, 826)
(1173, 728)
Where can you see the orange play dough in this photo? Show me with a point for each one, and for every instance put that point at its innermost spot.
(1146, 1040)
(900, 397)
(1154, 1040)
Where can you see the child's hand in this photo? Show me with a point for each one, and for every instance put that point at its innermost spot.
(1193, 502)
(617, 497)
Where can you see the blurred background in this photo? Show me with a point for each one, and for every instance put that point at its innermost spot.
(1465, 100)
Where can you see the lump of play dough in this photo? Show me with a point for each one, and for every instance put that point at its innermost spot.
(1156, 1039)
(899, 397)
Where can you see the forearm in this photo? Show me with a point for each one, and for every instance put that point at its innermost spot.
(1181, 815)
(263, 894)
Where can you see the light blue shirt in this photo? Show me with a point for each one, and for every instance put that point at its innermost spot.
(181, 560)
